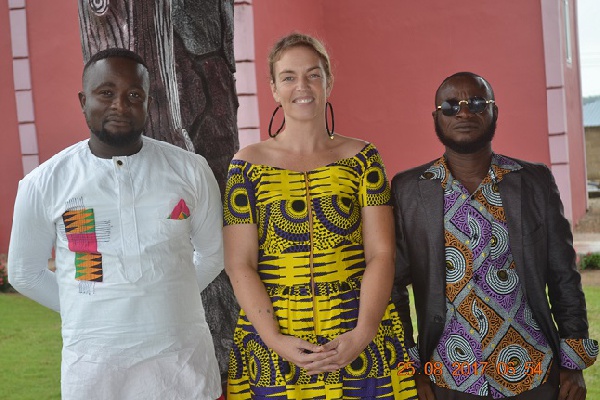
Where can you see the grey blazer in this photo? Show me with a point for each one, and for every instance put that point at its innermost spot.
(540, 239)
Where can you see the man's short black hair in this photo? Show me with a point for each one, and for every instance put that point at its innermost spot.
(114, 52)
(470, 75)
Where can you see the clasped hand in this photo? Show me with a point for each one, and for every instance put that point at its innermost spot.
(317, 359)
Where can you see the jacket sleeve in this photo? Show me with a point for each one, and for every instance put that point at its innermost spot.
(31, 240)
(564, 282)
(565, 293)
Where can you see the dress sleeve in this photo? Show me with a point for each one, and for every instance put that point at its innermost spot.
(239, 201)
(374, 189)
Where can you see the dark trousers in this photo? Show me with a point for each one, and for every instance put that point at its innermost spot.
(547, 391)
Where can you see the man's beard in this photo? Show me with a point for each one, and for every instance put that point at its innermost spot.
(466, 147)
(117, 140)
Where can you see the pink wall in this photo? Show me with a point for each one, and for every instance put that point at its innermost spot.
(273, 19)
(10, 159)
(52, 78)
(56, 79)
(564, 113)
(575, 125)
(388, 61)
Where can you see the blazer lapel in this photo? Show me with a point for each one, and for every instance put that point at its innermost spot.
(510, 193)
(432, 200)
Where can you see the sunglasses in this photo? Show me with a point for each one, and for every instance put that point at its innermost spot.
(452, 107)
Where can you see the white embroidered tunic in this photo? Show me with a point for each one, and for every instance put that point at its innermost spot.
(136, 239)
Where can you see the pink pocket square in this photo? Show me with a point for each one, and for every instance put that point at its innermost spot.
(181, 211)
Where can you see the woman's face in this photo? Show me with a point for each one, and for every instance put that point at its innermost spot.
(300, 84)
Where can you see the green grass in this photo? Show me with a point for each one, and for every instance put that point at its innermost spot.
(30, 346)
(592, 374)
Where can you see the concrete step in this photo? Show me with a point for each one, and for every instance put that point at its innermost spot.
(586, 243)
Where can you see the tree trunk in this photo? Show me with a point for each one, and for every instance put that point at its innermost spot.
(188, 47)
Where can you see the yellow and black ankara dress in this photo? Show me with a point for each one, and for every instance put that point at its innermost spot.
(311, 261)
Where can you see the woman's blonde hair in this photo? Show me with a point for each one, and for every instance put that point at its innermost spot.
(294, 40)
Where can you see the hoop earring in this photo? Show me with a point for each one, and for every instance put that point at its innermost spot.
(329, 132)
(271, 123)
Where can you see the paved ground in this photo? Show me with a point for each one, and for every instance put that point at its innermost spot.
(590, 223)
(586, 239)
(586, 235)
(590, 278)
(586, 242)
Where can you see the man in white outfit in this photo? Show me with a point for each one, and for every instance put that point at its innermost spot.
(135, 224)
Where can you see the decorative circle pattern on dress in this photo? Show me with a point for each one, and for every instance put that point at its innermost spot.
(360, 366)
(336, 217)
(293, 211)
(239, 205)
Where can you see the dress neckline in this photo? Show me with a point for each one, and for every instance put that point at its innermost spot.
(331, 164)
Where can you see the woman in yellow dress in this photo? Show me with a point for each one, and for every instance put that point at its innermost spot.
(309, 249)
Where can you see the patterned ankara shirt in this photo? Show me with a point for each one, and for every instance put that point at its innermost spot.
(491, 343)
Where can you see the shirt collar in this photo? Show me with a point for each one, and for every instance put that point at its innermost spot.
(499, 167)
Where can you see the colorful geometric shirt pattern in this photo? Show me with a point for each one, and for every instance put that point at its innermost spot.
(491, 343)
(80, 227)
(311, 260)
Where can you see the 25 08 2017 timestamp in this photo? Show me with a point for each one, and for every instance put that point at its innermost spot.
(474, 368)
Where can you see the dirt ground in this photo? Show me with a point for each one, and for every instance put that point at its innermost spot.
(590, 278)
(590, 224)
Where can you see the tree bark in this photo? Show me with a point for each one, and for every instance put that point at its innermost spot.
(188, 47)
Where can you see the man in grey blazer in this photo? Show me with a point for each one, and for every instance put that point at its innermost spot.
(481, 237)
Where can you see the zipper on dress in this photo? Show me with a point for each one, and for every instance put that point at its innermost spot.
(310, 255)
